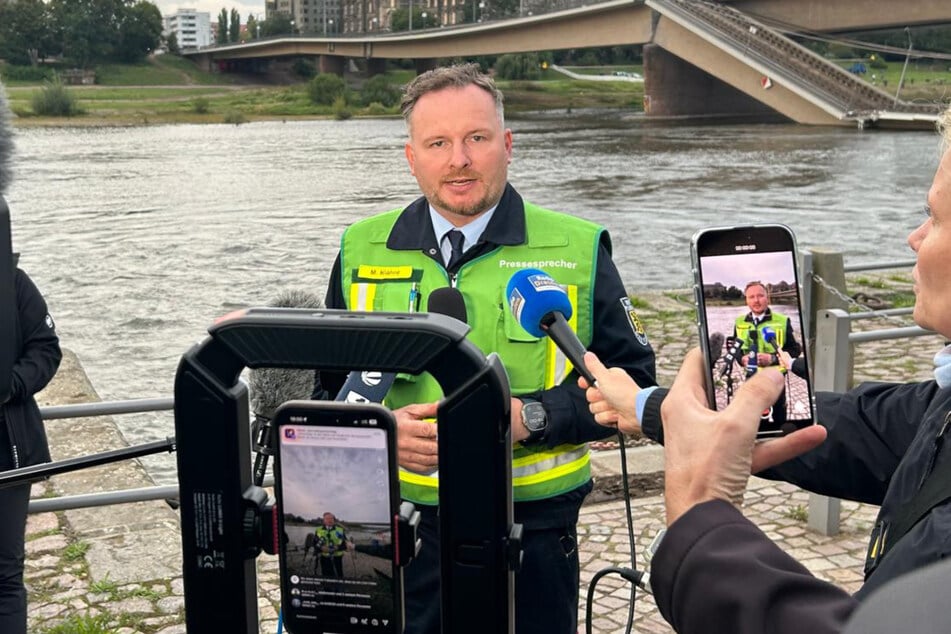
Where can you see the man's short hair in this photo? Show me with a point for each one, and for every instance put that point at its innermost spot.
(755, 283)
(944, 128)
(455, 76)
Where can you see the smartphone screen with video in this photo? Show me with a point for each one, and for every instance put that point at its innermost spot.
(338, 496)
(749, 307)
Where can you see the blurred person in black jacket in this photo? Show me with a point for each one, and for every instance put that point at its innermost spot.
(35, 359)
(887, 444)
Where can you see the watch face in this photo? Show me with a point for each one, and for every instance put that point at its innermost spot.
(534, 417)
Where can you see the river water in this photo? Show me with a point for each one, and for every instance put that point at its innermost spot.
(139, 237)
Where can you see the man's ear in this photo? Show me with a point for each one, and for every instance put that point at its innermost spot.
(410, 158)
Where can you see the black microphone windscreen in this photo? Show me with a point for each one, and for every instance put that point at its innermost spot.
(716, 345)
(6, 142)
(294, 298)
(271, 387)
(447, 301)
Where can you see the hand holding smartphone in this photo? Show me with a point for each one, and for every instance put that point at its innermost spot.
(749, 308)
(338, 496)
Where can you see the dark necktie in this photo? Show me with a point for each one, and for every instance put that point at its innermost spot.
(456, 239)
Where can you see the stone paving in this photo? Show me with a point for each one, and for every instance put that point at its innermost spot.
(117, 569)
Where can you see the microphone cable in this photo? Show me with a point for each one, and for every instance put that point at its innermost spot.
(636, 577)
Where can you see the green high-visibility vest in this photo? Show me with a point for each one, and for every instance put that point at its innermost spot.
(375, 278)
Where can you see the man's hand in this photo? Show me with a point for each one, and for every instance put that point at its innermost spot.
(417, 448)
(709, 455)
(612, 401)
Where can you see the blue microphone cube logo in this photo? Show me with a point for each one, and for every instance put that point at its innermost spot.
(533, 296)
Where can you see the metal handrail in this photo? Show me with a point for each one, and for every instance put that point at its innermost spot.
(100, 408)
(106, 408)
(877, 266)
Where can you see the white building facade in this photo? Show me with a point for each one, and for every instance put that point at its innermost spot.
(192, 28)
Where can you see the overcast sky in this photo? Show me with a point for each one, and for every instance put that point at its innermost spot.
(213, 7)
(737, 270)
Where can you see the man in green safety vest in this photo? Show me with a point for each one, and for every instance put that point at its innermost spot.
(331, 543)
(471, 230)
(768, 339)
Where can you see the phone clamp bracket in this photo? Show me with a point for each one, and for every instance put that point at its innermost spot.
(407, 534)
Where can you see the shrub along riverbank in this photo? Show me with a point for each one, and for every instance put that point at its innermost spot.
(171, 90)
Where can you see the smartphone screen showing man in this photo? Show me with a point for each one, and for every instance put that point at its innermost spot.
(336, 515)
(751, 318)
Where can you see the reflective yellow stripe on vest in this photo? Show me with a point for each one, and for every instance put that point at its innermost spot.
(362, 296)
(558, 364)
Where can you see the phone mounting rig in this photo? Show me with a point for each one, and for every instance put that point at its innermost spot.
(226, 520)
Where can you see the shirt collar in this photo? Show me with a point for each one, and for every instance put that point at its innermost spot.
(472, 231)
(414, 230)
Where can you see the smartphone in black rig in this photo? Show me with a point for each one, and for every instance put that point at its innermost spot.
(338, 496)
(749, 308)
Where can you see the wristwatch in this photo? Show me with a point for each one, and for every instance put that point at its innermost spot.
(535, 420)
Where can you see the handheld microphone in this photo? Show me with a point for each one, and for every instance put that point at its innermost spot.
(272, 387)
(769, 336)
(734, 350)
(370, 386)
(716, 344)
(542, 307)
(752, 363)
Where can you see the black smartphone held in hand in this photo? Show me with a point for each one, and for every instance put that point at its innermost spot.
(749, 308)
(337, 491)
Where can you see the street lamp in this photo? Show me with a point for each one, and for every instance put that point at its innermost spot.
(481, 6)
(410, 15)
(331, 23)
(424, 14)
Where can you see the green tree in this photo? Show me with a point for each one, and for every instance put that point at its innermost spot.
(277, 24)
(252, 28)
(518, 66)
(88, 30)
(25, 33)
(379, 89)
(140, 32)
(326, 88)
(222, 36)
(234, 33)
(171, 44)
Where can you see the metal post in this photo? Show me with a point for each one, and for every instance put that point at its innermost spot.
(901, 80)
(831, 374)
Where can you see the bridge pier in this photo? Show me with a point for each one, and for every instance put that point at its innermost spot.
(334, 64)
(676, 88)
(375, 66)
(423, 65)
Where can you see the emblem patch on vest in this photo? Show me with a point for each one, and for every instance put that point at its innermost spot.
(636, 324)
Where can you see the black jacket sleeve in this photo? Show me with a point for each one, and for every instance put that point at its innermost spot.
(616, 344)
(869, 430)
(39, 353)
(790, 343)
(715, 571)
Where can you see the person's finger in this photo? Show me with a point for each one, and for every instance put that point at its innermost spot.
(688, 389)
(776, 451)
(593, 395)
(758, 393)
(594, 365)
